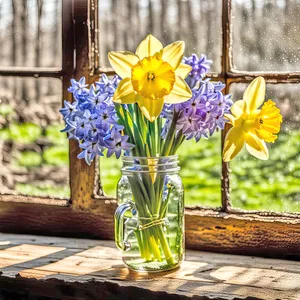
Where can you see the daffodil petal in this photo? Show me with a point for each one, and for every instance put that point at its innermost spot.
(124, 93)
(254, 94)
(231, 119)
(152, 163)
(151, 108)
(122, 62)
(180, 92)
(256, 147)
(148, 47)
(238, 108)
(173, 54)
(234, 142)
(183, 70)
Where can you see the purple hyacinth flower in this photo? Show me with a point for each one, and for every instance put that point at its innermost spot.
(96, 98)
(188, 122)
(78, 88)
(68, 110)
(219, 86)
(70, 129)
(92, 118)
(165, 129)
(202, 114)
(106, 115)
(90, 150)
(82, 128)
(200, 66)
(117, 143)
(106, 86)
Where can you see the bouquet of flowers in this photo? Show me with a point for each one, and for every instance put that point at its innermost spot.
(152, 110)
(157, 100)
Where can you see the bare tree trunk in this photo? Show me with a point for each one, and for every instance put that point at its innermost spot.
(114, 21)
(253, 7)
(1, 55)
(163, 22)
(287, 13)
(138, 21)
(14, 44)
(24, 30)
(287, 7)
(3, 80)
(128, 28)
(133, 11)
(179, 18)
(151, 17)
(39, 5)
(56, 40)
(210, 20)
(14, 34)
(191, 25)
(56, 36)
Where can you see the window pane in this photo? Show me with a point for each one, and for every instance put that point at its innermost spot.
(123, 24)
(33, 152)
(30, 34)
(200, 171)
(266, 35)
(272, 184)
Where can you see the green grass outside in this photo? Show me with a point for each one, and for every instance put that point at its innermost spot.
(255, 184)
(55, 154)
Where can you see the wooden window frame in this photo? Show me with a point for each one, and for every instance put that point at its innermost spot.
(89, 213)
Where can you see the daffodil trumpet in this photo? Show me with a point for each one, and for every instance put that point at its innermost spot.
(251, 125)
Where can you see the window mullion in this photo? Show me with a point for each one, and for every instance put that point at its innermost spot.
(93, 17)
(76, 51)
(32, 72)
(226, 65)
(274, 77)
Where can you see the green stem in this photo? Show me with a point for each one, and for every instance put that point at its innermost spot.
(167, 145)
(152, 126)
(140, 243)
(159, 139)
(180, 137)
(165, 246)
(163, 208)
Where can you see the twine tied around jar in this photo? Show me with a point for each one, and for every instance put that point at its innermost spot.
(155, 222)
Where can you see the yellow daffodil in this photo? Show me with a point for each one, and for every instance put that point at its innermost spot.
(252, 126)
(152, 76)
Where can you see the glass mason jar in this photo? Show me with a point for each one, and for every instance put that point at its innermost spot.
(149, 221)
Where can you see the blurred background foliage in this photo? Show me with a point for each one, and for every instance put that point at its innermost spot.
(34, 154)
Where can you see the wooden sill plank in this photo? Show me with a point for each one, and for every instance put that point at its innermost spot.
(84, 269)
(205, 230)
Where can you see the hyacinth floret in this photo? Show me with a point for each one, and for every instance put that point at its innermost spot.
(200, 67)
(204, 112)
(92, 119)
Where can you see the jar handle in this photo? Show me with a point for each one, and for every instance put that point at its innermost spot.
(121, 243)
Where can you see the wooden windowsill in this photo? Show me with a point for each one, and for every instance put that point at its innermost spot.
(64, 268)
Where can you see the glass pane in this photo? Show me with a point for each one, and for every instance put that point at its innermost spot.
(266, 35)
(273, 184)
(33, 152)
(30, 33)
(123, 24)
(200, 171)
